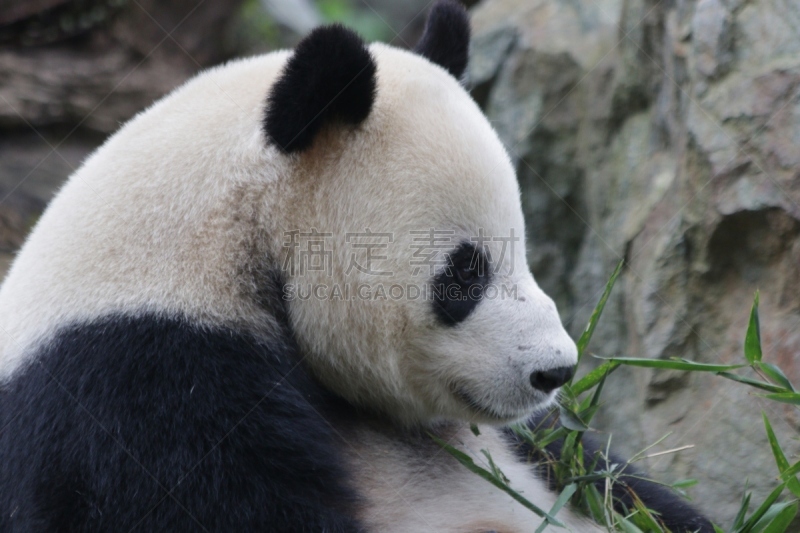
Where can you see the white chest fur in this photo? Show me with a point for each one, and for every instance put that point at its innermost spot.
(410, 484)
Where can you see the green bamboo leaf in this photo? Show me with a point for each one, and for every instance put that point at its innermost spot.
(593, 378)
(776, 374)
(672, 364)
(596, 505)
(588, 413)
(780, 458)
(584, 405)
(568, 448)
(586, 336)
(588, 478)
(791, 471)
(551, 437)
(566, 395)
(495, 470)
(780, 522)
(752, 340)
(590, 405)
(571, 420)
(681, 485)
(625, 525)
(524, 432)
(738, 522)
(762, 509)
(563, 498)
(763, 385)
(784, 397)
(595, 401)
(646, 517)
(467, 461)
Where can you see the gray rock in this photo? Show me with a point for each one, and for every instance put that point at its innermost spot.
(59, 100)
(667, 134)
(712, 38)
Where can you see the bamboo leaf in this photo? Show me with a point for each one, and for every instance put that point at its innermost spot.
(784, 397)
(780, 458)
(752, 340)
(588, 414)
(762, 509)
(594, 377)
(763, 385)
(568, 448)
(791, 471)
(776, 374)
(738, 522)
(626, 525)
(780, 522)
(646, 517)
(551, 437)
(597, 476)
(595, 401)
(523, 431)
(596, 505)
(672, 364)
(563, 498)
(467, 461)
(586, 336)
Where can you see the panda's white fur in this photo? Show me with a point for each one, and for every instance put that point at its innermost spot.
(183, 209)
(414, 487)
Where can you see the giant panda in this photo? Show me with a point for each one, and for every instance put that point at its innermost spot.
(173, 356)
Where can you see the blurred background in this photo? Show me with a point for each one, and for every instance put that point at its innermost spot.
(663, 132)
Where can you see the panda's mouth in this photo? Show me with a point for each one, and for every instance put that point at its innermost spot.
(461, 394)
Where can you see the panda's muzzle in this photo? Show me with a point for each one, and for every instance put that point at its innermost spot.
(542, 381)
(474, 405)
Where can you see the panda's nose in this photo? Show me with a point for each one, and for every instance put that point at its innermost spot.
(548, 380)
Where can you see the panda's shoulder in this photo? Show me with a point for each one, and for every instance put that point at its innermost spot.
(150, 408)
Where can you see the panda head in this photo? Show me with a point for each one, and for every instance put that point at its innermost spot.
(400, 233)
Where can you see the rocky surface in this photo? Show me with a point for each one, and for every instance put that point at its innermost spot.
(667, 134)
(71, 71)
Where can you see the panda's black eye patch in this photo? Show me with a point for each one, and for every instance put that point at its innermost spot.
(459, 287)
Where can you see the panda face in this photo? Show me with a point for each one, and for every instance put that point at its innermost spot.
(446, 321)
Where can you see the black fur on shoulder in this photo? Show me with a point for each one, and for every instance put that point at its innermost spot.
(445, 40)
(155, 424)
(330, 76)
(675, 513)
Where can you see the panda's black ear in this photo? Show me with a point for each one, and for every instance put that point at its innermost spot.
(445, 40)
(330, 77)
